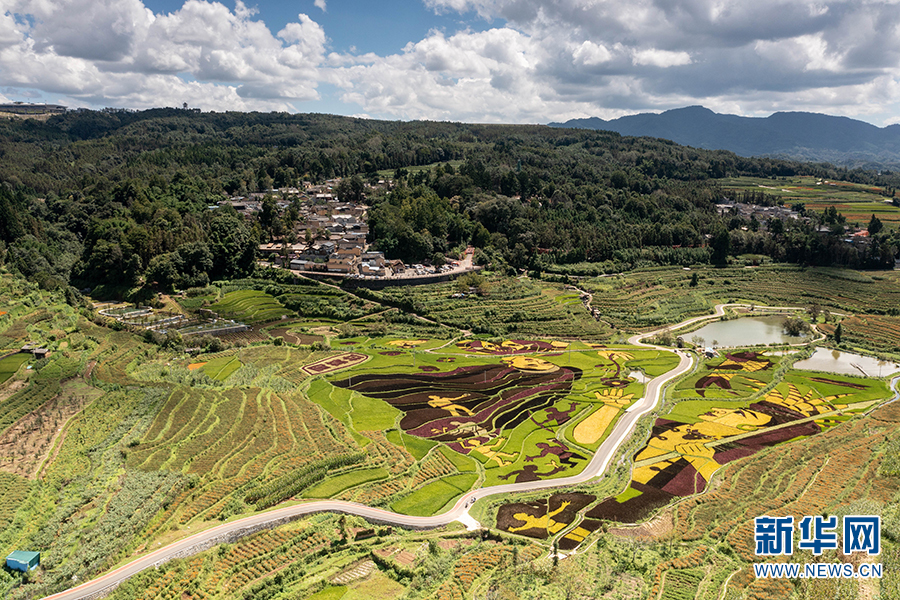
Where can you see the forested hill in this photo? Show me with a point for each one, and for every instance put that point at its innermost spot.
(93, 198)
(792, 135)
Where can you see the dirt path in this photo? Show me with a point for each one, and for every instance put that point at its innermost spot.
(586, 299)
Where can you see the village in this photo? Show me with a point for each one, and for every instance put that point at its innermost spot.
(333, 234)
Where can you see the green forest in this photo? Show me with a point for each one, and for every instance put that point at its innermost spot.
(90, 198)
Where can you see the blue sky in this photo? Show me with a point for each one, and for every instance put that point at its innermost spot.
(383, 27)
(513, 61)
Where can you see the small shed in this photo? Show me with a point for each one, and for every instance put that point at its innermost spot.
(22, 560)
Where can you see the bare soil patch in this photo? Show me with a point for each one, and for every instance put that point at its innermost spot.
(292, 337)
(655, 529)
(14, 386)
(25, 445)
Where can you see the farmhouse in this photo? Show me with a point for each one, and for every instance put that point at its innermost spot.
(342, 265)
(21, 560)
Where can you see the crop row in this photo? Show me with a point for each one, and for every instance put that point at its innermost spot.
(24, 401)
(13, 492)
(648, 298)
(816, 475)
(214, 493)
(435, 465)
(172, 585)
(234, 437)
(249, 561)
(382, 452)
(694, 559)
(879, 332)
(377, 493)
(291, 484)
(474, 564)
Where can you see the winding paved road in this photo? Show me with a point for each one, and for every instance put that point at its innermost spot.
(598, 464)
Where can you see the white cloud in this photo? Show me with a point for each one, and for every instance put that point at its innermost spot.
(213, 56)
(589, 54)
(661, 58)
(537, 61)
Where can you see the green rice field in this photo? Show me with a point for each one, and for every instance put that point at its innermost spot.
(10, 364)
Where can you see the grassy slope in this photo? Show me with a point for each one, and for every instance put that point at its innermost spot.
(100, 436)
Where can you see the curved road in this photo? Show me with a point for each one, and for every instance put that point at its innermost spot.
(595, 468)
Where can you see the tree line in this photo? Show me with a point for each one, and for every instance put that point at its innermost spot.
(119, 199)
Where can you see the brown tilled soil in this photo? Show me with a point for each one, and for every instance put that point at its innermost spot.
(11, 388)
(658, 528)
(25, 445)
(292, 337)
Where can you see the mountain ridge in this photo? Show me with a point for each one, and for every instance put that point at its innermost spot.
(796, 135)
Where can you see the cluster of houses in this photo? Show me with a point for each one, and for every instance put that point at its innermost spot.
(333, 233)
(854, 235)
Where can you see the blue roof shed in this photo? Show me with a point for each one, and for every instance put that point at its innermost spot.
(23, 560)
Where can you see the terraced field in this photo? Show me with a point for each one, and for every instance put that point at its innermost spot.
(410, 423)
(239, 437)
(509, 307)
(857, 202)
(249, 306)
(661, 296)
(877, 333)
(10, 364)
(688, 445)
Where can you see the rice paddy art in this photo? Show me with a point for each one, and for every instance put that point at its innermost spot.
(524, 409)
(685, 450)
(468, 403)
(335, 363)
(736, 375)
(543, 518)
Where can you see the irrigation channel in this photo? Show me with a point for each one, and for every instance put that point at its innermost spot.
(229, 532)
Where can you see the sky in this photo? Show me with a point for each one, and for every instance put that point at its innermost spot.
(485, 61)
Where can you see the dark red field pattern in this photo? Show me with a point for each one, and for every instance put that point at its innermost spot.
(468, 402)
(508, 347)
(678, 477)
(542, 518)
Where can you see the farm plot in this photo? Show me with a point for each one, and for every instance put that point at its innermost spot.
(857, 202)
(337, 484)
(13, 492)
(507, 405)
(239, 437)
(242, 569)
(875, 332)
(734, 376)
(835, 472)
(543, 518)
(221, 368)
(507, 307)
(250, 306)
(10, 364)
(30, 440)
(430, 498)
(687, 447)
(662, 296)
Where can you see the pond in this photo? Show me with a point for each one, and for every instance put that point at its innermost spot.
(834, 361)
(746, 331)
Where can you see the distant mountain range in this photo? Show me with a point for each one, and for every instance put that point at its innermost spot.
(795, 135)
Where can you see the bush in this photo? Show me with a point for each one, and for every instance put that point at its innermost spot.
(795, 326)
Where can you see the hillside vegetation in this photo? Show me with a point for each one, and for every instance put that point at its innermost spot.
(116, 200)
